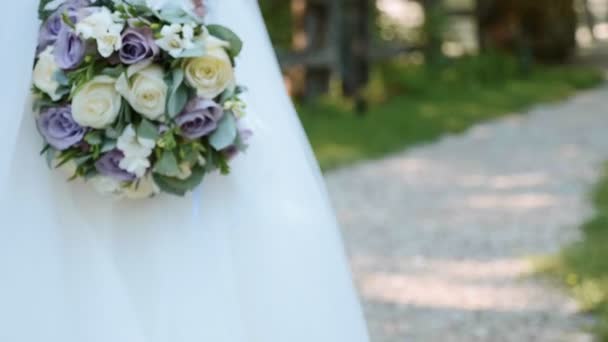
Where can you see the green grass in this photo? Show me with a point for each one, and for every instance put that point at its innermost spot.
(583, 267)
(411, 104)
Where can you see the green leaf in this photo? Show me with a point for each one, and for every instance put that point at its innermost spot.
(113, 72)
(178, 96)
(83, 160)
(43, 13)
(226, 133)
(114, 132)
(108, 145)
(65, 157)
(189, 154)
(94, 138)
(224, 33)
(174, 15)
(61, 78)
(178, 186)
(45, 148)
(147, 130)
(66, 19)
(167, 165)
(50, 157)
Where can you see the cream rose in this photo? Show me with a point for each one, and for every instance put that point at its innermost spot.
(144, 188)
(106, 185)
(145, 90)
(212, 73)
(44, 74)
(97, 104)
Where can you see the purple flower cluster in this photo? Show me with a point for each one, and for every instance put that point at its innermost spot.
(108, 165)
(59, 128)
(199, 119)
(137, 45)
(69, 49)
(137, 103)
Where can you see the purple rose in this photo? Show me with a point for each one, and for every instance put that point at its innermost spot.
(59, 128)
(137, 44)
(70, 49)
(49, 32)
(199, 118)
(108, 165)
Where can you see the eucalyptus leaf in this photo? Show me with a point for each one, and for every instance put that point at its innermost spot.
(114, 72)
(226, 133)
(147, 130)
(93, 138)
(108, 146)
(178, 96)
(82, 160)
(114, 132)
(50, 157)
(178, 186)
(61, 78)
(224, 33)
(167, 165)
(175, 15)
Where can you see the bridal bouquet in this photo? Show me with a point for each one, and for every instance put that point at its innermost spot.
(137, 96)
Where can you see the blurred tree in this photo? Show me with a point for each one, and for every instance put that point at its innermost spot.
(543, 29)
(433, 30)
(278, 17)
(355, 49)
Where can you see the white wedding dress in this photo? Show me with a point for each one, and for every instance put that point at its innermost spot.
(252, 257)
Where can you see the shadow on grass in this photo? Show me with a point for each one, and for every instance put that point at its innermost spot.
(412, 104)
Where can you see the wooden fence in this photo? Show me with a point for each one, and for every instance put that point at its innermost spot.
(332, 40)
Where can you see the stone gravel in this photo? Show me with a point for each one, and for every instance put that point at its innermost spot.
(441, 236)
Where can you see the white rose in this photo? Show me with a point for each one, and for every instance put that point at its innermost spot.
(102, 26)
(212, 73)
(44, 74)
(106, 185)
(145, 90)
(137, 151)
(144, 188)
(97, 104)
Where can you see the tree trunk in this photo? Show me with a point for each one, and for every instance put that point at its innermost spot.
(545, 28)
(355, 50)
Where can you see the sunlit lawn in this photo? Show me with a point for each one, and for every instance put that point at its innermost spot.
(583, 267)
(411, 104)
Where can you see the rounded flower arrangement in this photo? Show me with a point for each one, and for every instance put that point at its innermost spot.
(137, 98)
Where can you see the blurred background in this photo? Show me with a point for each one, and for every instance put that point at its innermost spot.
(459, 162)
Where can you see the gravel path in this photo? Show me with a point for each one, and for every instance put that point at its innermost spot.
(440, 236)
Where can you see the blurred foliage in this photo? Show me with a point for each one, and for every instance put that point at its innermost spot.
(583, 267)
(546, 28)
(412, 104)
(277, 14)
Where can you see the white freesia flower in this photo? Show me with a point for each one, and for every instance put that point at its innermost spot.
(104, 27)
(144, 188)
(236, 106)
(176, 38)
(137, 151)
(106, 185)
(212, 73)
(97, 104)
(145, 89)
(44, 74)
